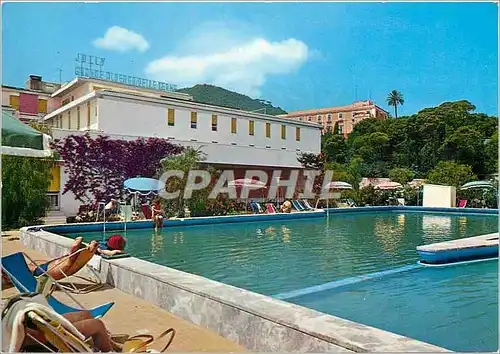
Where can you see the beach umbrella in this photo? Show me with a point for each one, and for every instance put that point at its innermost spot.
(249, 183)
(334, 185)
(19, 139)
(478, 185)
(389, 185)
(338, 185)
(143, 185)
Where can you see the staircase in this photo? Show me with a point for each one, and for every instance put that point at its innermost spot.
(54, 218)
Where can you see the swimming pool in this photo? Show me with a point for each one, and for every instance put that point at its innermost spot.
(279, 256)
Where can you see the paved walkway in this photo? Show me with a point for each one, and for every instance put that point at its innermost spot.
(133, 316)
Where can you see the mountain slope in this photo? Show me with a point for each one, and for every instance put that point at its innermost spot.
(221, 97)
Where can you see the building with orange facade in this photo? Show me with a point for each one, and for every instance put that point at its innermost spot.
(346, 117)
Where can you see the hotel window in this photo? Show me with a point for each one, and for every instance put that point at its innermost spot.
(233, 125)
(69, 119)
(65, 102)
(268, 130)
(297, 134)
(171, 117)
(194, 120)
(309, 118)
(283, 132)
(72, 98)
(341, 129)
(341, 115)
(14, 102)
(319, 118)
(329, 117)
(300, 118)
(42, 106)
(78, 118)
(88, 115)
(251, 127)
(214, 122)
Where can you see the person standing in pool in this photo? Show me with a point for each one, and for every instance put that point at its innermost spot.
(115, 245)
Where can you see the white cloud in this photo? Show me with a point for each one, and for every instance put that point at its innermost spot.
(122, 40)
(234, 62)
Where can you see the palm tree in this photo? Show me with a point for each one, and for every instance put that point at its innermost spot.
(395, 98)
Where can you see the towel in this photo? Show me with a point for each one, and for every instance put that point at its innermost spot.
(95, 262)
(13, 321)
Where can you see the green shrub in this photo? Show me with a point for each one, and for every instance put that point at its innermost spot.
(25, 181)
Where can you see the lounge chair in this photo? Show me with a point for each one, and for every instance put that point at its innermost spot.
(270, 208)
(351, 203)
(304, 208)
(146, 211)
(17, 270)
(462, 203)
(68, 265)
(306, 204)
(255, 207)
(52, 331)
(297, 206)
(401, 201)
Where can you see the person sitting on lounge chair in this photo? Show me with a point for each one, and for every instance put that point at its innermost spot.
(157, 214)
(286, 207)
(115, 245)
(82, 321)
(62, 267)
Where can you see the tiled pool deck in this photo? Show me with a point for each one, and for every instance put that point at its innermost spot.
(254, 321)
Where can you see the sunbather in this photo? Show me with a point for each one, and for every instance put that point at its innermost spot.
(90, 328)
(115, 245)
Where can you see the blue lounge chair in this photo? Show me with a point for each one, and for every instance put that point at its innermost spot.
(302, 205)
(16, 268)
(306, 204)
(254, 207)
(297, 206)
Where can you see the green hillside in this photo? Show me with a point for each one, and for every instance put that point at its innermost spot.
(221, 97)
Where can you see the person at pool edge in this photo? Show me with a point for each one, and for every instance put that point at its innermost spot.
(157, 214)
(114, 245)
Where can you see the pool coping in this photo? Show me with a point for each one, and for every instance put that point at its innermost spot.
(255, 321)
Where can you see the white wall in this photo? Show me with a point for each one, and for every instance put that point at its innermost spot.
(439, 196)
(132, 118)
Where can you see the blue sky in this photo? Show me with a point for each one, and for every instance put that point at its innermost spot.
(297, 55)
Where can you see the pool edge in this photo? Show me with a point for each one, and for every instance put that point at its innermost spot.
(255, 321)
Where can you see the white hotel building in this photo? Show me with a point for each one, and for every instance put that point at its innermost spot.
(230, 138)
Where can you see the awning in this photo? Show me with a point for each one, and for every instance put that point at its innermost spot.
(19, 139)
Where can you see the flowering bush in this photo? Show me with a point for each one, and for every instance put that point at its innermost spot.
(97, 168)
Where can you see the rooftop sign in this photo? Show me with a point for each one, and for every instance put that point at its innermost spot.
(91, 66)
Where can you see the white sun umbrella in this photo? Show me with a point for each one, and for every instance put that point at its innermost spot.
(478, 184)
(335, 185)
(247, 183)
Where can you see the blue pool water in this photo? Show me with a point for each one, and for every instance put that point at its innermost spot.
(454, 307)
(281, 256)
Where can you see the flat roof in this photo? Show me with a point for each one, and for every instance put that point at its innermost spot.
(78, 81)
(360, 105)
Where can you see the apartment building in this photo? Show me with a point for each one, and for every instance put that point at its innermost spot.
(345, 117)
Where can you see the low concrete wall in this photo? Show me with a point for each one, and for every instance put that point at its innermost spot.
(257, 322)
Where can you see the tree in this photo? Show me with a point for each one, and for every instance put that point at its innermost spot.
(491, 154)
(395, 98)
(451, 173)
(401, 175)
(24, 192)
(97, 168)
(189, 160)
